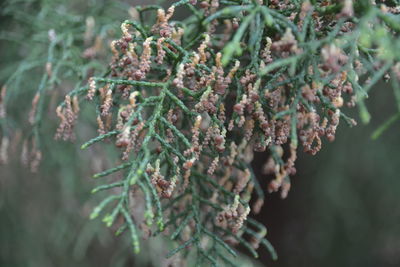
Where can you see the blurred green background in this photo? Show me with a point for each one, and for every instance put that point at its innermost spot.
(342, 209)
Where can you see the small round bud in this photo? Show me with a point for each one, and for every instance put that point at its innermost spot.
(238, 108)
(219, 139)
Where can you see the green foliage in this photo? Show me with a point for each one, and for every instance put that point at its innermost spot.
(188, 101)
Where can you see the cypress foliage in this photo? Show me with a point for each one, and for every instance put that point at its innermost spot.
(188, 99)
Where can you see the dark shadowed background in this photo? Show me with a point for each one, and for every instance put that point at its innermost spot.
(343, 206)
